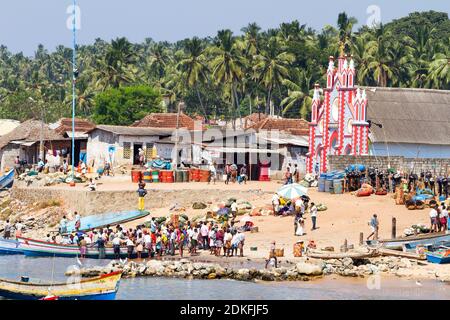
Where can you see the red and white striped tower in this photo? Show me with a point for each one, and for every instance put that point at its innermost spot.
(327, 114)
(364, 125)
(313, 128)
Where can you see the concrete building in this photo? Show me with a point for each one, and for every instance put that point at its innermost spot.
(412, 123)
(120, 145)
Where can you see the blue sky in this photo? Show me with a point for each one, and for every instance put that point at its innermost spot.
(24, 23)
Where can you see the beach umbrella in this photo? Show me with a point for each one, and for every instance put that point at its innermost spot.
(292, 191)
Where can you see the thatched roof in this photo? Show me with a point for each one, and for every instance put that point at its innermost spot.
(409, 115)
(30, 131)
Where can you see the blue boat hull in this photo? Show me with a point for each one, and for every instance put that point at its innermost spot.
(103, 220)
(438, 260)
(7, 180)
(9, 247)
(100, 296)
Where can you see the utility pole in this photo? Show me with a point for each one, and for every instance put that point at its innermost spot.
(175, 161)
(41, 142)
(74, 79)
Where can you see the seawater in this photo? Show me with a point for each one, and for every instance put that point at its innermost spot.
(46, 269)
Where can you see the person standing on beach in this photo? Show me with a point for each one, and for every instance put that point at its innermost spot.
(444, 218)
(7, 230)
(77, 221)
(142, 193)
(276, 203)
(313, 211)
(212, 173)
(272, 256)
(433, 220)
(374, 224)
(101, 247)
(234, 209)
(116, 247)
(228, 173)
(204, 230)
(83, 247)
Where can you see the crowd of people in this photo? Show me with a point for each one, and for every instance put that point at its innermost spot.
(297, 207)
(158, 239)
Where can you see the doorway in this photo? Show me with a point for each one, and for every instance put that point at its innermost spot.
(136, 148)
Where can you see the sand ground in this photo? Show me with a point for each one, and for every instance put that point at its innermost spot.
(346, 217)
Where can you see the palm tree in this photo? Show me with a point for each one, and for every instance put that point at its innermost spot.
(193, 67)
(227, 66)
(379, 56)
(251, 38)
(116, 68)
(298, 94)
(272, 67)
(158, 60)
(439, 71)
(345, 25)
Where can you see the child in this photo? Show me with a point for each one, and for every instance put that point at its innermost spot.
(142, 193)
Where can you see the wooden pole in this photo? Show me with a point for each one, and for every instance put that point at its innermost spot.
(345, 245)
(361, 238)
(394, 228)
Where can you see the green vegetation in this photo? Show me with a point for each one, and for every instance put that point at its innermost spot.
(226, 76)
(125, 105)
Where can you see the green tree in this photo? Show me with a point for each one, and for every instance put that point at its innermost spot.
(125, 105)
(272, 67)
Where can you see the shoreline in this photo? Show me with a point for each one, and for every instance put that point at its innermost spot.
(303, 269)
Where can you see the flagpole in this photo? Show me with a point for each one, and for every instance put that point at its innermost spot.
(73, 85)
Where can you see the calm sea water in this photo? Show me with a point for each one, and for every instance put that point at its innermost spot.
(13, 267)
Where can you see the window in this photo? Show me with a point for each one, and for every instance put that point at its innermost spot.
(148, 150)
(127, 150)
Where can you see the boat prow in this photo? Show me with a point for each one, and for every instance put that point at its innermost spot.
(103, 287)
(7, 180)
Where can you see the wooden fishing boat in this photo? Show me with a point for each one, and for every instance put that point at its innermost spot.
(396, 253)
(9, 246)
(342, 255)
(440, 256)
(411, 242)
(103, 287)
(38, 248)
(7, 180)
(106, 219)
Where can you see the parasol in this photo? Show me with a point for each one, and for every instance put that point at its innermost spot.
(292, 191)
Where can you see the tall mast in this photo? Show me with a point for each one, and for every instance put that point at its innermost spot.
(74, 79)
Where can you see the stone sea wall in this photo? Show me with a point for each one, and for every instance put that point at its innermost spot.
(87, 203)
(435, 165)
(303, 269)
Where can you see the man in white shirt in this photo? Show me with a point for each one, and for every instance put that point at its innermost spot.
(313, 211)
(276, 203)
(433, 220)
(234, 208)
(116, 245)
(444, 217)
(204, 230)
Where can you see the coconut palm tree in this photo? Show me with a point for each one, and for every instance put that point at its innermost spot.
(379, 56)
(227, 66)
(272, 67)
(299, 93)
(439, 70)
(345, 26)
(158, 60)
(194, 67)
